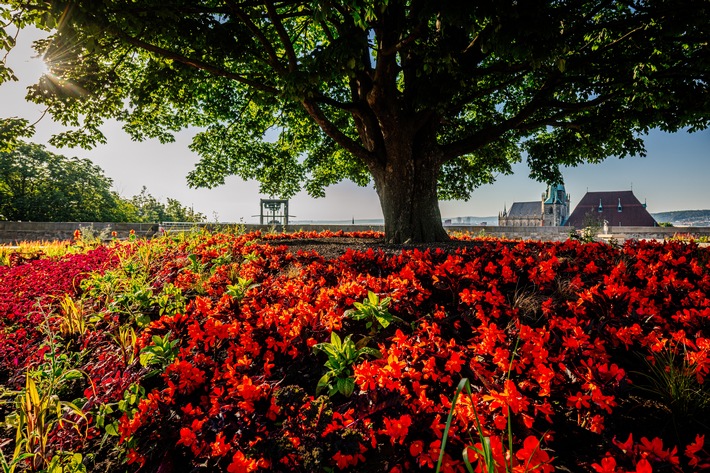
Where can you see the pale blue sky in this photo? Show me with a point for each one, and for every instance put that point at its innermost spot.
(674, 175)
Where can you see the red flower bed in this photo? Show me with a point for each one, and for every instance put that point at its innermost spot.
(28, 293)
(551, 336)
(582, 357)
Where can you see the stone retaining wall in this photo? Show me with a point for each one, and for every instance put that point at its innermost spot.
(15, 232)
(563, 233)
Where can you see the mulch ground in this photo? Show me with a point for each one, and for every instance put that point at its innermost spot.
(331, 248)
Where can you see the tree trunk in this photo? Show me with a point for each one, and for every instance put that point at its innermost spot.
(407, 189)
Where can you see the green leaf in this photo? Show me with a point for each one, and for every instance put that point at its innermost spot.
(561, 63)
(73, 374)
(335, 341)
(345, 386)
(112, 430)
(72, 408)
(373, 298)
(371, 351)
(323, 382)
(383, 320)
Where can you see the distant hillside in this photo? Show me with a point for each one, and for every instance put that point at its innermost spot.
(685, 218)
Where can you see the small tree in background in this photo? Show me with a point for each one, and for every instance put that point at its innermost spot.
(150, 209)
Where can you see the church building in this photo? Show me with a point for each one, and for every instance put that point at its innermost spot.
(551, 211)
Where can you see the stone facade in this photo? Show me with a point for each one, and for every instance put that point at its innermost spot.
(555, 206)
(551, 211)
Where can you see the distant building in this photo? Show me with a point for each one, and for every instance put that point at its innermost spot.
(616, 208)
(464, 221)
(550, 211)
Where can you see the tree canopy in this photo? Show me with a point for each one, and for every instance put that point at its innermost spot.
(42, 186)
(428, 99)
(37, 185)
(149, 209)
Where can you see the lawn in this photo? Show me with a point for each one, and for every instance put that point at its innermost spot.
(254, 352)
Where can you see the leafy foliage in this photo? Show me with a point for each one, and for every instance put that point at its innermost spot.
(38, 185)
(160, 353)
(373, 310)
(42, 186)
(12, 129)
(342, 355)
(40, 411)
(147, 208)
(427, 99)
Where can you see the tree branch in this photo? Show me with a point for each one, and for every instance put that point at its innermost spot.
(457, 105)
(579, 106)
(395, 48)
(334, 132)
(197, 64)
(258, 34)
(347, 106)
(518, 122)
(492, 133)
(283, 34)
(622, 38)
(185, 10)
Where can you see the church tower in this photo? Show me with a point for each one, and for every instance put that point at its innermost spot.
(555, 206)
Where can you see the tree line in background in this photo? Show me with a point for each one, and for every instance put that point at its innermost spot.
(37, 185)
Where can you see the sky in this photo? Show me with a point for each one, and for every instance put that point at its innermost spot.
(673, 176)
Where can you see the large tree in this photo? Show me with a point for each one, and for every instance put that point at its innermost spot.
(427, 98)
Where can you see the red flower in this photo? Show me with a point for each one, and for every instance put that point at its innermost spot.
(608, 465)
(429, 457)
(135, 457)
(242, 464)
(627, 446)
(219, 448)
(510, 397)
(579, 400)
(187, 437)
(533, 457)
(416, 448)
(344, 461)
(591, 268)
(655, 448)
(397, 429)
(455, 362)
(643, 466)
(692, 451)
(189, 378)
(596, 424)
(498, 453)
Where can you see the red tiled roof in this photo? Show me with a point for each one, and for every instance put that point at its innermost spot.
(632, 214)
